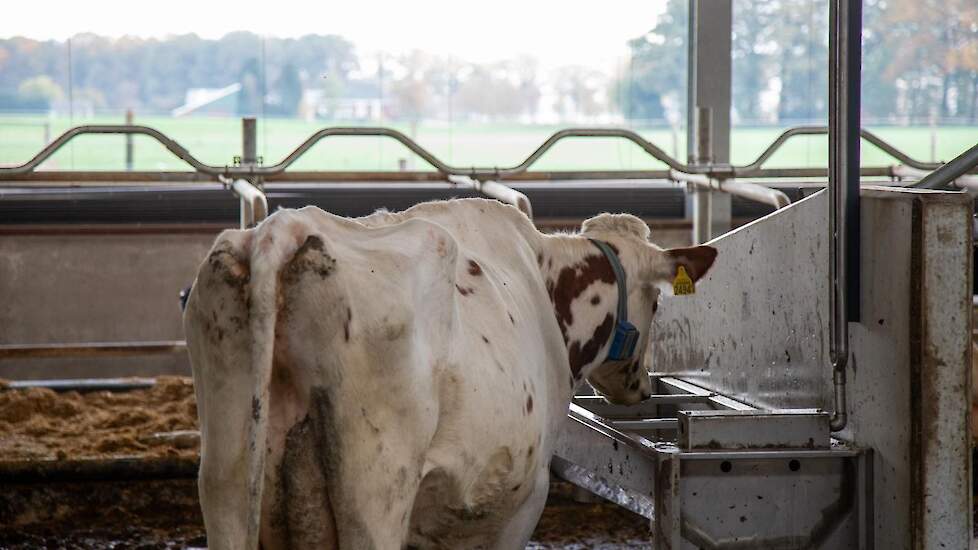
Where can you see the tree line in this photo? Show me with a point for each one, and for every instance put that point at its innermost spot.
(920, 62)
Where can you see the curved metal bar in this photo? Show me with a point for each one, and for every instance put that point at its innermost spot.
(171, 145)
(750, 191)
(358, 131)
(479, 173)
(305, 146)
(498, 191)
(752, 169)
(254, 205)
(824, 130)
(647, 146)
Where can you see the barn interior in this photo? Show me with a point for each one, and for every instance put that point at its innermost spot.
(821, 374)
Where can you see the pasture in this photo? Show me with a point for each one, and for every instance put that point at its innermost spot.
(215, 140)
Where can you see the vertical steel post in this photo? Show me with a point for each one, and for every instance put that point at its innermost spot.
(845, 33)
(249, 156)
(249, 141)
(709, 74)
(703, 154)
(129, 141)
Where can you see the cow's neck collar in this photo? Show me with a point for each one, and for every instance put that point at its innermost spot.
(625, 335)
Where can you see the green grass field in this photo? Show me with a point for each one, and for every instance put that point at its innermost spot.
(217, 140)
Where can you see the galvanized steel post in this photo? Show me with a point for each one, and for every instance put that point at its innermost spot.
(703, 155)
(845, 32)
(709, 86)
(254, 206)
(249, 141)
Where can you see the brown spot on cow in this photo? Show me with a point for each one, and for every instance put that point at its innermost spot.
(529, 404)
(464, 291)
(484, 339)
(578, 356)
(346, 324)
(474, 268)
(540, 259)
(511, 320)
(572, 281)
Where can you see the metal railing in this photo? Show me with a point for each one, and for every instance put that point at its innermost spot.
(675, 170)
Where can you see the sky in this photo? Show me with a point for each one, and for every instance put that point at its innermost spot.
(555, 32)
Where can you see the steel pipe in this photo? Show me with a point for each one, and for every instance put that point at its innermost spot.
(254, 205)
(83, 385)
(845, 53)
(91, 349)
(751, 191)
(953, 172)
(498, 191)
(965, 181)
(25, 171)
(755, 192)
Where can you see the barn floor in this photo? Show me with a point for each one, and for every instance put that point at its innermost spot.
(565, 525)
(90, 471)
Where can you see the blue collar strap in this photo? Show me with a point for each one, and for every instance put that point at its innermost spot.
(626, 335)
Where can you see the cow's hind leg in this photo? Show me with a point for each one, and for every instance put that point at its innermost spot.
(370, 405)
(216, 325)
(517, 531)
(371, 478)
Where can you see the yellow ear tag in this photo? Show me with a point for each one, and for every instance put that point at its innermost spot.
(682, 284)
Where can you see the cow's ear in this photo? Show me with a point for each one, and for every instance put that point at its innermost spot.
(676, 270)
(696, 260)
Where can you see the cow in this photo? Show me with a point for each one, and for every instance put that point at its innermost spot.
(398, 381)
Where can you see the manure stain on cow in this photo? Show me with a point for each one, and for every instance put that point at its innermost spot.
(529, 404)
(572, 281)
(579, 356)
(464, 291)
(484, 339)
(346, 324)
(310, 257)
(474, 268)
(255, 408)
(511, 320)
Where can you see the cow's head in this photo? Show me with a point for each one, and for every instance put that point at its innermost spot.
(650, 270)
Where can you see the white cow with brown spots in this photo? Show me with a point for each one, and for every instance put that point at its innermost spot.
(398, 381)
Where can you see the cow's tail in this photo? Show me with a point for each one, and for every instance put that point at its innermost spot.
(271, 253)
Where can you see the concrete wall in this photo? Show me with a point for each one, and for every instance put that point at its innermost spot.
(116, 284)
(757, 329)
(71, 284)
